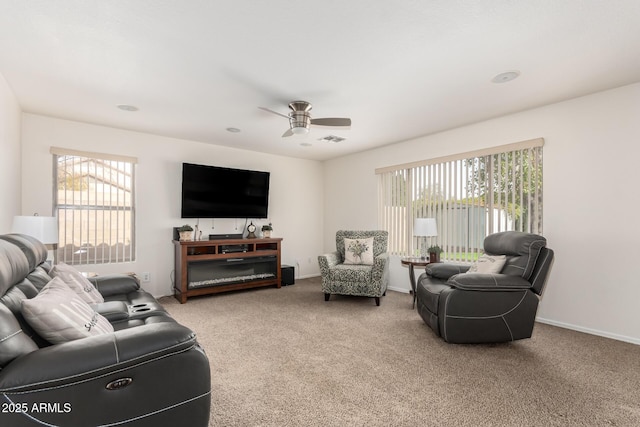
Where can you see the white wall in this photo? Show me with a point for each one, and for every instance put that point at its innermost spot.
(10, 159)
(592, 147)
(295, 207)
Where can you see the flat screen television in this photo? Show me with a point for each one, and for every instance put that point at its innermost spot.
(217, 192)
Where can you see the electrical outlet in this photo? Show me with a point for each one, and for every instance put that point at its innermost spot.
(146, 276)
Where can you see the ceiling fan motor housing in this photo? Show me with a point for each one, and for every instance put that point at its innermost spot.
(299, 120)
(299, 117)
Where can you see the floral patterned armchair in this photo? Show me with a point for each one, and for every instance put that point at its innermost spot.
(359, 266)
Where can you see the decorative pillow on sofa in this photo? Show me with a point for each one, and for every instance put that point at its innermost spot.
(488, 264)
(78, 283)
(358, 251)
(59, 315)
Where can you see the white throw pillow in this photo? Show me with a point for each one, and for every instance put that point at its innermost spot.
(358, 251)
(488, 264)
(59, 315)
(78, 283)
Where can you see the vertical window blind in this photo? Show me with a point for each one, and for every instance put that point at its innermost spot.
(470, 195)
(94, 203)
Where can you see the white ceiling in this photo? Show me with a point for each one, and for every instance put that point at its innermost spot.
(400, 69)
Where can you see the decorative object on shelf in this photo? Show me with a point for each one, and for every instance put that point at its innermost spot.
(266, 230)
(424, 227)
(251, 228)
(434, 253)
(185, 233)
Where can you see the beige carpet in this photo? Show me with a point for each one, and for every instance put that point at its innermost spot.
(285, 357)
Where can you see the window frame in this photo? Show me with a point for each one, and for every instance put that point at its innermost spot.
(438, 188)
(115, 174)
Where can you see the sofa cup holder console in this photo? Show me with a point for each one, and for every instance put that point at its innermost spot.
(140, 310)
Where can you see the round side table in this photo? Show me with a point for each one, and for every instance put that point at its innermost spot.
(413, 262)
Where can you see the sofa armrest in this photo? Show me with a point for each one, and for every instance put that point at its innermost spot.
(75, 361)
(113, 311)
(443, 270)
(115, 284)
(151, 375)
(488, 282)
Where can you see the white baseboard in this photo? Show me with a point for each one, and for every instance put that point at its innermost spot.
(589, 331)
(403, 290)
(308, 276)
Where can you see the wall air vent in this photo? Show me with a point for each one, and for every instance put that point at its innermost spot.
(332, 139)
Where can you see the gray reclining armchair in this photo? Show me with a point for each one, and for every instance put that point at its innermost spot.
(363, 278)
(471, 307)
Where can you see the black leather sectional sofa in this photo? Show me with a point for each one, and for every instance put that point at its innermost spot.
(149, 371)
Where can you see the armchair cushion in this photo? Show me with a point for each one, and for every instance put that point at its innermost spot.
(351, 273)
(59, 315)
(358, 251)
(379, 240)
(488, 264)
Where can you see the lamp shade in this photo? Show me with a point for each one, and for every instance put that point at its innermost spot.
(425, 227)
(43, 228)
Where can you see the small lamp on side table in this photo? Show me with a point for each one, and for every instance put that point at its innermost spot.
(43, 228)
(424, 227)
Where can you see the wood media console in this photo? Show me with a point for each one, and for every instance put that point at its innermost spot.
(206, 267)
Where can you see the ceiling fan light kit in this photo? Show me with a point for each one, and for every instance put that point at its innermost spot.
(300, 119)
(299, 130)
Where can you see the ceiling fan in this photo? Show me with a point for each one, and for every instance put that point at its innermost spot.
(300, 118)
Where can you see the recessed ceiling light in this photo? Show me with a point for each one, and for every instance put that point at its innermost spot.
(507, 76)
(305, 144)
(233, 130)
(126, 107)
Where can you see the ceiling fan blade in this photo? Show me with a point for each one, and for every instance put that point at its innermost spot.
(273, 112)
(331, 121)
(289, 132)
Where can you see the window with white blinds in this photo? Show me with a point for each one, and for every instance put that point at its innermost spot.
(94, 204)
(470, 195)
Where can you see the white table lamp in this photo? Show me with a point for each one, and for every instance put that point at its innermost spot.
(43, 228)
(425, 227)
